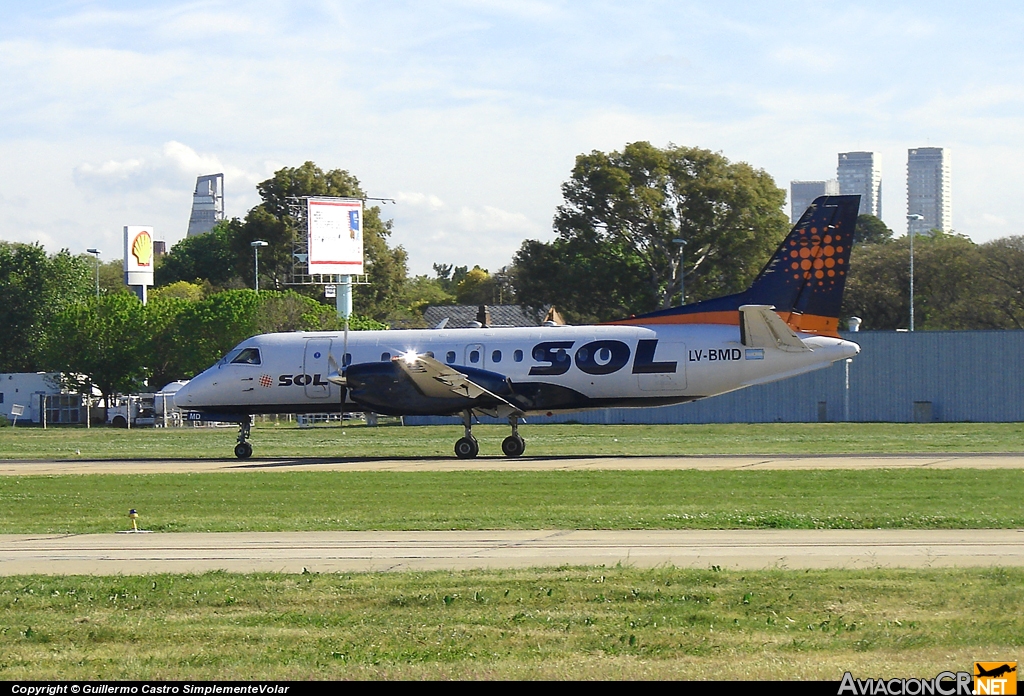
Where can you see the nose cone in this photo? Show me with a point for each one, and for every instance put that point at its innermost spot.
(850, 349)
(183, 398)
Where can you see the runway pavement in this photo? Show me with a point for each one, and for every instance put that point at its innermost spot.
(291, 552)
(639, 463)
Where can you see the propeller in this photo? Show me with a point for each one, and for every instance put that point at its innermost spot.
(336, 375)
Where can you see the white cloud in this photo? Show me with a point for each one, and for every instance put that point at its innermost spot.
(173, 167)
(434, 232)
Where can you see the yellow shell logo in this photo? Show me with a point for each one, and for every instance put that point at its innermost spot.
(142, 248)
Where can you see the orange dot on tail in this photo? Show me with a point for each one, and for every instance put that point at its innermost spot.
(819, 274)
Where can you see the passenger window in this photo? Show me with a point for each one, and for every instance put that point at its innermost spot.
(347, 360)
(518, 356)
(496, 356)
(474, 356)
(384, 357)
(249, 356)
(450, 357)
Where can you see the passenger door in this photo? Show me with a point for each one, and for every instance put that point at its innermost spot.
(316, 368)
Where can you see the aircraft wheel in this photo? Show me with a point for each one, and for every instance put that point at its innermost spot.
(513, 446)
(467, 448)
(243, 450)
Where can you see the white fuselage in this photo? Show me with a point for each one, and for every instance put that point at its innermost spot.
(609, 365)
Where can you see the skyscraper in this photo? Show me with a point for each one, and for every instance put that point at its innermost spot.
(803, 193)
(207, 204)
(860, 173)
(929, 193)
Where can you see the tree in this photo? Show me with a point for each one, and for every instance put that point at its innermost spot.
(871, 230)
(102, 341)
(35, 288)
(623, 210)
(951, 290)
(476, 287)
(271, 222)
(1004, 272)
(210, 257)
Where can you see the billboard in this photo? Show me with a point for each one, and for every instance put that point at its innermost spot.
(138, 255)
(335, 236)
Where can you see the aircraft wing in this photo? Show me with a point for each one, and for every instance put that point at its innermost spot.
(761, 327)
(437, 380)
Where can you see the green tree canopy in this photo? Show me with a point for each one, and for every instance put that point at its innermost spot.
(34, 288)
(952, 285)
(103, 341)
(623, 210)
(210, 257)
(871, 230)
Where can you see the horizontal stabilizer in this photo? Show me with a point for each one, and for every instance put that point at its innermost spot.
(761, 327)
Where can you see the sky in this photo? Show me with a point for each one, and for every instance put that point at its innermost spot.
(469, 114)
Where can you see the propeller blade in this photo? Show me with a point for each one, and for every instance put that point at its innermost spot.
(336, 375)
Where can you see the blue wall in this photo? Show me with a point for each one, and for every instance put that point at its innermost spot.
(962, 375)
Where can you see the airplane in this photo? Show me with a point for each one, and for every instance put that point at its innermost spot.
(785, 324)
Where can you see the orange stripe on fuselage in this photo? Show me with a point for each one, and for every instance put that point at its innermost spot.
(807, 323)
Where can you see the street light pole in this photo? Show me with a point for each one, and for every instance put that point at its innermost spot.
(911, 219)
(96, 253)
(256, 260)
(682, 273)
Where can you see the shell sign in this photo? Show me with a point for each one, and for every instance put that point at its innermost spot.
(138, 255)
(142, 248)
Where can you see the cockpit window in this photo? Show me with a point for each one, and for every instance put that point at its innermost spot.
(231, 355)
(248, 356)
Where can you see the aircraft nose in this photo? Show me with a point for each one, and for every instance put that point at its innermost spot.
(183, 397)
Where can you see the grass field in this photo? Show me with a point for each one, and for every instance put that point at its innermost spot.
(286, 440)
(612, 623)
(299, 501)
(556, 623)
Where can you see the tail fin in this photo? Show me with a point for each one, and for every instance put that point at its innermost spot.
(804, 280)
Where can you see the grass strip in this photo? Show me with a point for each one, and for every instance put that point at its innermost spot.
(302, 501)
(285, 440)
(570, 622)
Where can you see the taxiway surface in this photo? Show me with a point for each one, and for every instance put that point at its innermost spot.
(293, 552)
(29, 467)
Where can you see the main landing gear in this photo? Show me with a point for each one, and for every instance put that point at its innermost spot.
(467, 447)
(243, 450)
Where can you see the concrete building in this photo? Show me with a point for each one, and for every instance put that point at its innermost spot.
(860, 173)
(929, 192)
(207, 204)
(803, 193)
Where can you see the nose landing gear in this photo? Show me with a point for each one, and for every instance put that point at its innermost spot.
(243, 450)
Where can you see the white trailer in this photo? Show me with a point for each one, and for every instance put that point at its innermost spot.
(28, 390)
